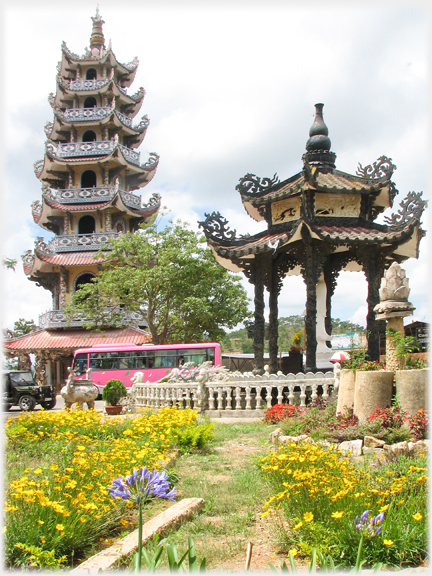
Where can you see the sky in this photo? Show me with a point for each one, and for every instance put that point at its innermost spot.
(230, 89)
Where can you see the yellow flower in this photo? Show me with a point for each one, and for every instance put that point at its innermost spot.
(53, 467)
(308, 517)
(264, 514)
(123, 522)
(40, 522)
(37, 471)
(384, 508)
(43, 539)
(337, 514)
(81, 448)
(82, 520)
(400, 502)
(59, 527)
(293, 552)
(297, 526)
(417, 516)
(388, 542)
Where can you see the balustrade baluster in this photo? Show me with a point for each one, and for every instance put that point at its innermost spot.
(269, 396)
(238, 398)
(280, 394)
(258, 398)
(302, 395)
(220, 398)
(228, 397)
(211, 398)
(188, 398)
(248, 397)
(291, 393)
(325, 391)
(314, 391)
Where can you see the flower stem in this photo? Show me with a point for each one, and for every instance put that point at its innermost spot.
(139, 559)
(359, 555)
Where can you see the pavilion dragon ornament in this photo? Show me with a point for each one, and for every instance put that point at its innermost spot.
(382, 168)
(217, 227)
(252, 185)
(411, 209)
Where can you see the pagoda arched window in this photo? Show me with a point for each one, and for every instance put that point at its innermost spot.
(81, 279)
(91, 74)
(88, 179)
(90, 102)
(89, 136)
(86, 225)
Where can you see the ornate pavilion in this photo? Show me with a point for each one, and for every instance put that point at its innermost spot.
(90, 174)
(319, 222)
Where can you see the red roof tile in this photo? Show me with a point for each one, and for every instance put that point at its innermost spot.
(70, 258)
(67, 339)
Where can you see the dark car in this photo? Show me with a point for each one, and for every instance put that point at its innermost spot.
(20, 389)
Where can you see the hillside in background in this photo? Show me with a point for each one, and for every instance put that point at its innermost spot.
(238, 342)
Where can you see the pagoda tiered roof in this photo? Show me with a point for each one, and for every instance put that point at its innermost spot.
(110, 154)
(54, 204)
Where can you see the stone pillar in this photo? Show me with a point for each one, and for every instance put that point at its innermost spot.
(273, 319)
(412, 389)
(373, 267)
(392, 361)
(259, 326)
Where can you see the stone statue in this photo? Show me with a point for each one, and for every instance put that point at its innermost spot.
(79, 391)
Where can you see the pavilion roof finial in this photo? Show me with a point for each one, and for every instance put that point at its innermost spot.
(97, 38)
(319, 144)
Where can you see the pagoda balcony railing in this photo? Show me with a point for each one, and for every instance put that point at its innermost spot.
(58, 319)
(80, 242)
(91, 195)
(87, 114)
(83, 84)
(96, 148)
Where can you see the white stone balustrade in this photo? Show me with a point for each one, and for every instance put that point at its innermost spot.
(247, 393)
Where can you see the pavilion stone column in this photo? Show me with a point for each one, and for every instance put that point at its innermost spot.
(373, 267)
(259, 326)
(274, 289)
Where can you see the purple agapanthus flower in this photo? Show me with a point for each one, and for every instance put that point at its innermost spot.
(369, 528)
(142, 485)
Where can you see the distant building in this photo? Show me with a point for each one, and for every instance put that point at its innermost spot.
(90, 174)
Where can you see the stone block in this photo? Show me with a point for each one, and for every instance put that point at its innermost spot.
(288, 439)
(399, 447)
(354, 447)
(372, 450)
(421, 448)
(371, 442)
(273, 436)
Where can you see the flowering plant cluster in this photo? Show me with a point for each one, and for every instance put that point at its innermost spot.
(280, 412)
(367, 366)
(369, 527)
(62, 504)
(319, 492)
(419, 424)
(391, 417)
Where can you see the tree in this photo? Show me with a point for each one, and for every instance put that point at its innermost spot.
(172, 279)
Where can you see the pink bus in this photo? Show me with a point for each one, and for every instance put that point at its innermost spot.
(121, 361)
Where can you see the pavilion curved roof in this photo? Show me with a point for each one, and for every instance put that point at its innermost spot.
(73, 339)
(256, 193)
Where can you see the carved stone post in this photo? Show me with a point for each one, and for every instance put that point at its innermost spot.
(273, 318)
(373, 267)
(259, 327)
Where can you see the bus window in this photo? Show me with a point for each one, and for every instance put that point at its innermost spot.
(80, 364)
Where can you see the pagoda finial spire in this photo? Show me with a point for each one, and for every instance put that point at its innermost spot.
(97, 39)
(319, 144)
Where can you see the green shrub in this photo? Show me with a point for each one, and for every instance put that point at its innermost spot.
(196, 437)
(113, 391)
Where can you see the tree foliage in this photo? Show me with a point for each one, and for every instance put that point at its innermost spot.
(169, 277)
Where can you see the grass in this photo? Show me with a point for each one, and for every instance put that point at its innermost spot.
(225, 474)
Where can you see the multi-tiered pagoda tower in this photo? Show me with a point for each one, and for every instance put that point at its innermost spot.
(90, 174)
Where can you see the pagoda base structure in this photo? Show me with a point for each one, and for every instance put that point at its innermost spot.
(319, 222)
(54, 349)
